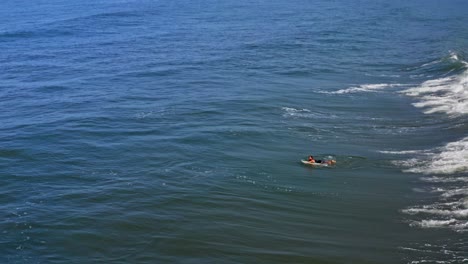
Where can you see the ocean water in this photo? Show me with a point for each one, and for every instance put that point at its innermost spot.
(172, 131)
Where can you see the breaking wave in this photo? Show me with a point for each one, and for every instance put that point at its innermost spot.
(446, 166)
(449, 159)
(448, 95)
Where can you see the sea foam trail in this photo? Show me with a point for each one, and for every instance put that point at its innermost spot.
(445, 179)
(364, 88)
(456, 225)
(457, 213)
(402, 152)
(305, 113)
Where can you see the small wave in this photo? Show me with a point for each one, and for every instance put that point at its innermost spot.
(96, 16)
(383, 75)
(15, 34)
(430, 63)
(452, 61)
(364, 88)
(403, 152)
(34, 33)
(454, 56)
(289, 111)
(306, 113)
(294, 110)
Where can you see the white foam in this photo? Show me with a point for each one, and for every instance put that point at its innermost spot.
(365, 88)
(428, 261)
(294, 110)
(434, 223)
(445, 179)
(305, 113)
(289, 111)
(455, 192)
(454, 224)
(461, 226)
(447, 95)
(408, 163)
(451, 158)
(451, 212)
(402, 152)
(454, 213)
(454, 56)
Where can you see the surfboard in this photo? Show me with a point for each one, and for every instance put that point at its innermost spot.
(314, 164)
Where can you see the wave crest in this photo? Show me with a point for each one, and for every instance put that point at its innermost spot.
(448, 95)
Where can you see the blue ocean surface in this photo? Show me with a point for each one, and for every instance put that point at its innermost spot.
(138, 131)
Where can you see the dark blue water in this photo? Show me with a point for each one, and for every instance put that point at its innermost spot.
(172, 132)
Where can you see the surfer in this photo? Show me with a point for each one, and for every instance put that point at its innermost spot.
(311, 159)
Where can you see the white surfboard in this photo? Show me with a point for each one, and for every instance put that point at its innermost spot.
(314, 164)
